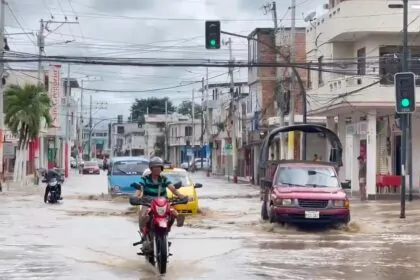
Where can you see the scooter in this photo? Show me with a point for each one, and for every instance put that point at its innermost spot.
(53, 195)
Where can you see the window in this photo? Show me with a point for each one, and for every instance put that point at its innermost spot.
(320, 75)
(188, 131)
(120, 129)
(361, 61)
(129, 167)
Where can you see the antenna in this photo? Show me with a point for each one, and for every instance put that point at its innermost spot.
(310, 17)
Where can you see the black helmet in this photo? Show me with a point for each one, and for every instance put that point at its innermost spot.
(156, 161)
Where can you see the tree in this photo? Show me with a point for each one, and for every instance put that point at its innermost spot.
(153, 105)
(25, 108)
(185, 108)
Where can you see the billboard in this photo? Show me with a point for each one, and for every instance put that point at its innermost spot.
(54, 92)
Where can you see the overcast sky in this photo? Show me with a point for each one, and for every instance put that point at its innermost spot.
(141, 28)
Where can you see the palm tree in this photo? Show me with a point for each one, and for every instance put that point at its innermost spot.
(24, 108)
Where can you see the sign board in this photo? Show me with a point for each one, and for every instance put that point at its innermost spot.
(54, 92)
(228, 149)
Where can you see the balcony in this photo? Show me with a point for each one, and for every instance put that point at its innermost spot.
(363, 91)
(352, 20)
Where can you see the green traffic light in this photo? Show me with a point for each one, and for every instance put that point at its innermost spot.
(405, 102)
(213, 43)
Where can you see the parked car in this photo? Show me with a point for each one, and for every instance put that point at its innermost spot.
(197, 164)
(91, 167)
(100, 163)
(198, 161)
(73, 163)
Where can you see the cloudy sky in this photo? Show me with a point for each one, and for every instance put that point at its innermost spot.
(140, 28)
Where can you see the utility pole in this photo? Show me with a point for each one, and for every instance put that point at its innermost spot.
(2, 49)
(82, 126)
(90, 128)
(43, 25)
(166, 130)
(233, 108)
(209, 123)
(193, 128)
(202, 122)
(279, 93)
(67, 125)
(291, 139)
(404, 118)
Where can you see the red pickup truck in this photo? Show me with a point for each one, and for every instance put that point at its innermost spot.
(302, 192)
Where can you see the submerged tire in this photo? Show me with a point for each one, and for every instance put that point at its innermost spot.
(264, 212)
(271, 215)
(150, 258)
(162, 253)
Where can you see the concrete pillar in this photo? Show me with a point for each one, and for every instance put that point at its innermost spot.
(371, 155)
(354, 148)
(331, 126)
(342, 135)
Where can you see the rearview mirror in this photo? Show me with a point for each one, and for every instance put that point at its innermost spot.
(346, 185)
(198, 185)
(178, 185)
(311, 172)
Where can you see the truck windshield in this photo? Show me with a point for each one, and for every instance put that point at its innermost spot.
(323, 177)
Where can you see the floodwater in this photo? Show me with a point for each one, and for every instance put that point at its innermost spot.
(89, 236)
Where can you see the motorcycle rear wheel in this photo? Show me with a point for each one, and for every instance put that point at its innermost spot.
(162, 253)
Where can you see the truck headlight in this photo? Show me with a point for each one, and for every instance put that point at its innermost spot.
(341, 203)
(287, 202)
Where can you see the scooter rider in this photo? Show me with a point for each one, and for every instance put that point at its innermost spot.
(152, 185)
(51, 174)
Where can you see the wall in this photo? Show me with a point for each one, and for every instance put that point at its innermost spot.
(339, 84)
(364, 17)
(177, 133)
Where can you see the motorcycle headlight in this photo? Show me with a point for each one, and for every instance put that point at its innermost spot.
(287, 202)
(53, 183)
(161, 211)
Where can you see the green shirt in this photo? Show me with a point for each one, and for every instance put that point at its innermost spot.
(155, 188)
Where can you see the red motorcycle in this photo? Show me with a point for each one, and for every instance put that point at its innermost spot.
(156, 232)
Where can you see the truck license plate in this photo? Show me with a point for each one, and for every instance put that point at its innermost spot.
(311, 215)
(90, 171)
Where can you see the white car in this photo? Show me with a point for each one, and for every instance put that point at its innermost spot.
(197, 161)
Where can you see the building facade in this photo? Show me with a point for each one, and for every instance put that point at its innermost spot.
(184, 140)
(356, 91)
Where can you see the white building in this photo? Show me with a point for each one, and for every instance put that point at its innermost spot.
(221, 128)
(183, 134)
(363, 39)
(134, 139)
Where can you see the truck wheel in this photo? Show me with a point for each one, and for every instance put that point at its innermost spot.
(271, 215)
(264, 212)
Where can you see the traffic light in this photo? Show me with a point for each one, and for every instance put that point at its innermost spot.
(212, 35)
(405, 93)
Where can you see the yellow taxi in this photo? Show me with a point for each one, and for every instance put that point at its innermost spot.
(188, 188)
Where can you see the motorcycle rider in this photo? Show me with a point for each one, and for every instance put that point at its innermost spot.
(154, 184)
(52, 174)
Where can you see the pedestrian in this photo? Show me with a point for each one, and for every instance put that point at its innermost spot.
(362, 178)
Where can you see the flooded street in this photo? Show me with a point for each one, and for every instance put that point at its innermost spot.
(89, 236)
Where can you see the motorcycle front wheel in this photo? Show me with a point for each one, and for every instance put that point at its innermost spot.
(161, 253)
(151, 256)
